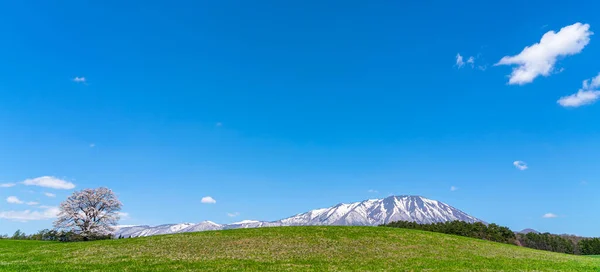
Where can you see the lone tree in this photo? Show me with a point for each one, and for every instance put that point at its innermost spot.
(89, 213)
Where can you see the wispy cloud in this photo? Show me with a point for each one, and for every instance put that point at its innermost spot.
(540, 58)
(219, 124)
(7, 185)
(92, 145)
(28, 215)
(372, 191)
(521, 165)
(50, 182)
(549, 215)
(208, 200)
(233, 214)
(79, 79)
(453, 188)
(49, 194)
(471, 61)
(588, 94)
(459, 61)
(14, 200)
(123, 215)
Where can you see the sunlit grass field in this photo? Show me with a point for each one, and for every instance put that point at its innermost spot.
(288, 249)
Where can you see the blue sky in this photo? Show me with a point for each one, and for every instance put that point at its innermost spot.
(273, 108)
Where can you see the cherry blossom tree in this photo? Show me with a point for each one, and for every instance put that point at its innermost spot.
(89, 212)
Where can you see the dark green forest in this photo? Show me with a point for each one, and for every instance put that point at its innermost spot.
(569, 244)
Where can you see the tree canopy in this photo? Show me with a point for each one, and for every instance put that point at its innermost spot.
(89, 213)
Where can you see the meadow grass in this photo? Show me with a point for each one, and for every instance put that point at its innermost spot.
(288, 249)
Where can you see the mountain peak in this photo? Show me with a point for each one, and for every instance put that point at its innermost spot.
(408, 196)
(374, 212)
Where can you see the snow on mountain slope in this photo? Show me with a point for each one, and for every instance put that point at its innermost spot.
(203, 226)
(370, 212)
(251, 224)
(162, 229)
(374, 212)
(129, 231)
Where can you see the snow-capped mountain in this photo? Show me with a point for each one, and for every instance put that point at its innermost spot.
(250, 224)
(203, 226)
(129, 231)
(370, 212)
(138, 231)
(374, 212)
(162, 229)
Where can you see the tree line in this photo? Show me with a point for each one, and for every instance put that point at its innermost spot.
(56, 235)
(491, 232)
(569, 244)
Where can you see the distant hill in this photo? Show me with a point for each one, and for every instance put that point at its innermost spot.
(313, 248)
(525, 231)
(370, 212)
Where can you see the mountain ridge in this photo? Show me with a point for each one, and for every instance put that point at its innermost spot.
(370, 212)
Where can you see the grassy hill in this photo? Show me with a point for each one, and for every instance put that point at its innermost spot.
(288, 249)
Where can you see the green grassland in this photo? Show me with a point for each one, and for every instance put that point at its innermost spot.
(288, 249)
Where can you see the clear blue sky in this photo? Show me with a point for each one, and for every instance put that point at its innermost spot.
(275, 107)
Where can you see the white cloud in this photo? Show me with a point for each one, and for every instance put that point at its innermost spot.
(208, 200)
(233, 214)
(14, 200)
(471, 61)
(459, 61)
(579, 99)
(92, 145)
(50, 194)
(521, 165)
(549, 215)
(123, 215)
(79, 79)
(7, 185)
(540, 58)
(373, 191)
(588, 94)
(453, 188)
(28, 215)
(50, 182)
